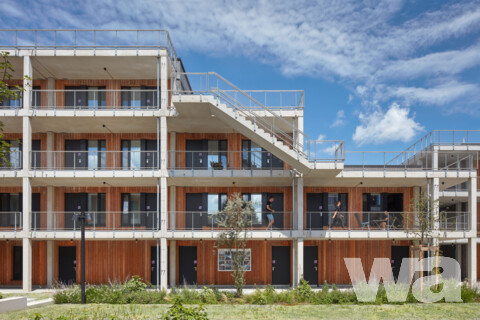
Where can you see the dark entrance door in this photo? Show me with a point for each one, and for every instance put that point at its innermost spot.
(187, 269)
(76, 154)
(316, 210)
(149, 157)
(17, 263)
(277, 206)
(398, 253)
(310, 264)
(196, 207)
(153, 264)
(36, 154)
(395, 206)
(67, 265)
(280, 265)
(35, 211)
(197, 154)
(149, 205)
(74, 203)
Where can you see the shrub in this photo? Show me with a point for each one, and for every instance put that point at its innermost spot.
(1, 296)
(135, 284)
(303, 292)
(179, 312)
(186, 295)
(470, 294)
(208, 296)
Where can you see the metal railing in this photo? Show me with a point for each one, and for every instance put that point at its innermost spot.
(95, 160)
(274, 99)
(95, 99)
(443, 137)
(207, 221)
(100, 221)
(224, 160)
(242, 103)
(378, 221)
(325, 150)
(11, 221)
(11, 160)
(88, 39)
(411, 161)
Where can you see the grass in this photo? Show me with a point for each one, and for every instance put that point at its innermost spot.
(269, 312)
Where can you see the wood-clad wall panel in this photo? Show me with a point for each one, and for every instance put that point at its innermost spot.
(331, 254)
(111, 261)
(39, 262)
(207, 257)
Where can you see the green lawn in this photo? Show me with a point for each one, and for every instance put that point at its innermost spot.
(245, 312)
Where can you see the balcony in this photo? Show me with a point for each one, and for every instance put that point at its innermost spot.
(13, 161)
(11, 221)
(95, 160)
(110, 221)
(226, 164)
(207, 221)
(377, 221)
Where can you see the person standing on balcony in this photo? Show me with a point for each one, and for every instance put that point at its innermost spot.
(384, 221)
(270, 211)
(338, 216)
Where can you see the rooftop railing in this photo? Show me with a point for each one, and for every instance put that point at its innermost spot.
(390, 160)
(87, 39)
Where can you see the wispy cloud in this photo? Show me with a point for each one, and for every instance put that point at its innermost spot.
(339, 120)
(374, 48)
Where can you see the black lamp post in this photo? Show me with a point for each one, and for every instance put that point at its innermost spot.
(82, 218)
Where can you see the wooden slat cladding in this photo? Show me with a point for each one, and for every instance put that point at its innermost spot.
(39, 262)
(182, 191)
(331, 254)
(207, 266)
(355, 202)
(111, 261)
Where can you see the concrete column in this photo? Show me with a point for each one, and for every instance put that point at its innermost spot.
(50, 262)
(299, 274)
(298, 210)
(27, 264)
(472, 261)
(173, 262)
(163, 82)
(173, 155)
(27, 83)
(172, 207)
(472, 204)
(51, 97)
(163, 144)
(435, 158)
(163, 264)
(435, 195)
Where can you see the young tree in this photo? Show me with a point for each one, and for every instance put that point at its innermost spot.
(236, 218)
(6, 92)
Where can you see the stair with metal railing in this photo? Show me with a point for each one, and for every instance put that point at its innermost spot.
(262, 125)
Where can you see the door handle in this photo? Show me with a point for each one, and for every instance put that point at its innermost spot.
(273, 268)
(316, 268)
(195, 268)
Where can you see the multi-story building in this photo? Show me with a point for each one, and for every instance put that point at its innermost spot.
(111, 124)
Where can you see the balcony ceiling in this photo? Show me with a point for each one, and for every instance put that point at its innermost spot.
(71, 67)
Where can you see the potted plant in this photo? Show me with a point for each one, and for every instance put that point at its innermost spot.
(216, 165)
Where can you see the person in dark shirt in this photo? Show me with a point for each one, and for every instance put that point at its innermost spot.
(337, 218)
(270, 211)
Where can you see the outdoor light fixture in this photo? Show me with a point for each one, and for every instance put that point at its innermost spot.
(82, 217)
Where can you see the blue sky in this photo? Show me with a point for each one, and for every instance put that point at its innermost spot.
(377, 74)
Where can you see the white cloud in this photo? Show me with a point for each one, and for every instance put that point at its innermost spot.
(339, 120)
(380, 127)
(321, 137)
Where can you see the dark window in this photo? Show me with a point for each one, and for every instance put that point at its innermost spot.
(141, 97)
(13, 101)
(139, 154)
(255, 157)
(85, 97)
(17, 263)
